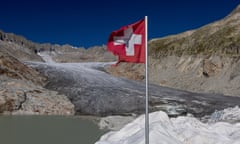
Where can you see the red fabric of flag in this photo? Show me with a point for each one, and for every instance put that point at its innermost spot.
(128, 43)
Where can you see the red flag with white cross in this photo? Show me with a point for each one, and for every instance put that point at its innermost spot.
(128, 43)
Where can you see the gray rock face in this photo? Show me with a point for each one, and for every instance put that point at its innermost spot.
(23, 97)
(95, 92)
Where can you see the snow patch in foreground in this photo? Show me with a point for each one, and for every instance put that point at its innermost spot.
(180, 130)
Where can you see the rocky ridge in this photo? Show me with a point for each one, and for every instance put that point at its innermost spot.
(23, 97)
(67, 53)
(27, 50)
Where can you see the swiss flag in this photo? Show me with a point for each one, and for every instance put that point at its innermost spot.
(128, 43)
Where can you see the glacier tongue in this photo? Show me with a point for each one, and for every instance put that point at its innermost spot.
(180, 130)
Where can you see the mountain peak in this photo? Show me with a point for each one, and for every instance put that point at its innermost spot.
(236, 11)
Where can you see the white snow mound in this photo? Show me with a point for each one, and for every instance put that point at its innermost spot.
(180, 130)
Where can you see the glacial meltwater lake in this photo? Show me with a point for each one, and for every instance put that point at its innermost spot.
(48, 130)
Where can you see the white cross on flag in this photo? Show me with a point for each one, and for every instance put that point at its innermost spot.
(129, 43)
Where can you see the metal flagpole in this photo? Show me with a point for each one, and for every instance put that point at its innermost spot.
(146, 78)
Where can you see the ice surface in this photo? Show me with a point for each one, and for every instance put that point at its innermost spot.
(180, 130)
(231, 115)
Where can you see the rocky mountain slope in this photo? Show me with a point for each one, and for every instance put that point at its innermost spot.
(67, 53)
(18, 47)
(21, 87)
(219, 38)
(202, 60)
(26, 50)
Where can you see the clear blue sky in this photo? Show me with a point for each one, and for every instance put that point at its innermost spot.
(89, 22)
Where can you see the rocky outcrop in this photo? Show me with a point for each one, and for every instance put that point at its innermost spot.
(23, 97)
(214, 74)
(13, 68)
(21, 90)
(18, 47)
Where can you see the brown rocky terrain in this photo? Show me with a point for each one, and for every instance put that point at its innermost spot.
(67, 53)
(21, 90)
(13, 68)
(23, 97)
(18, 47)
(131, 71)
